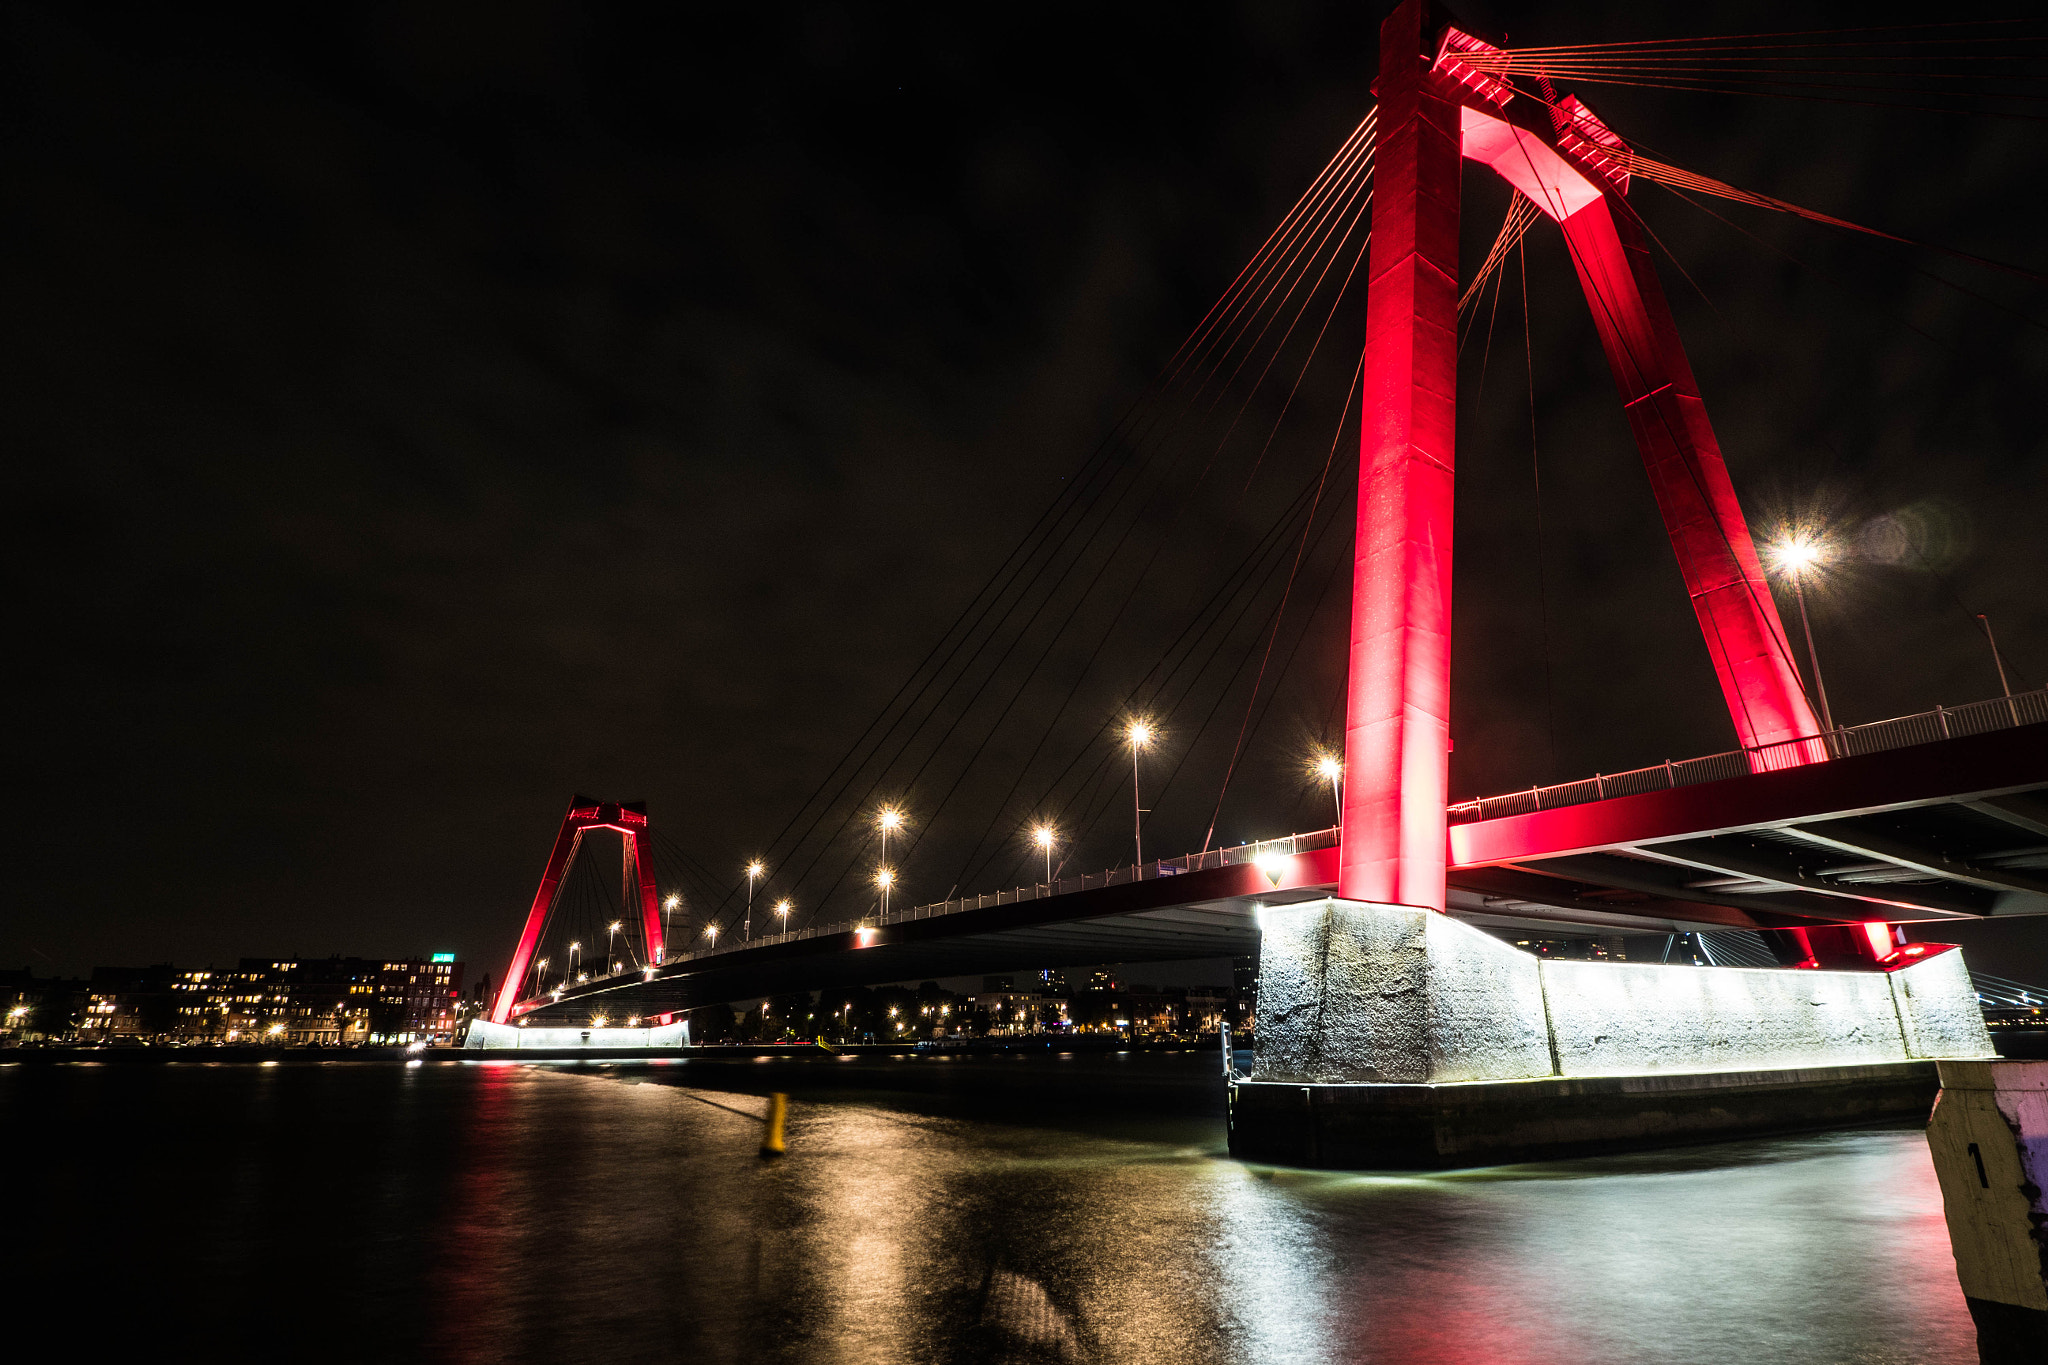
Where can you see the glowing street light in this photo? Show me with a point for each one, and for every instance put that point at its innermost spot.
(574, 949)
(1138, 734)
(1330, 769)
(540, 974)
(783, 908)
(888, 820)
(755, 869)
(885, 877)
(611, 951)
(1794, 556)
(711, 932)
(1045, 836)
(668, 910)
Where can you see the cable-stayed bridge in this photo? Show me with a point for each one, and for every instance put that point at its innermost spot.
(1821, 837)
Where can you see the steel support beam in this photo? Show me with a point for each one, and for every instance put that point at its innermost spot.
(1397, 711)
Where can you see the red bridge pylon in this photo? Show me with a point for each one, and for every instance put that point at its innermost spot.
(629, 819)
(1437, 111)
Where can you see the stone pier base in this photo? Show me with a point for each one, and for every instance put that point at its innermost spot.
(1391, 1036)
(1989, 1141)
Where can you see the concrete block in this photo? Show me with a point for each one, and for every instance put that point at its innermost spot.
(1628, 1018)
(1989, 1141)
(485, 1036)
(1938, 1011)
(1352, 992)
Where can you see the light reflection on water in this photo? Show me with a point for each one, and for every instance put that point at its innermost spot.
(965, 1210)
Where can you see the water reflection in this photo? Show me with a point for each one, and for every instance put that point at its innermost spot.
(1057, 1210)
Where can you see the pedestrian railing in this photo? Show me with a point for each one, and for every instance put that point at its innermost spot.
(1943, 722)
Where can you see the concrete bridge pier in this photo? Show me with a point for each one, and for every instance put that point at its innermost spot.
(1989, 1140)
(1397, 1037)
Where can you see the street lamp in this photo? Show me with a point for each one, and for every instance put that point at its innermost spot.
(1793, 557)
(540, 975)
(711, 932)
(668, 910)
(885, 878)
(754, 871)
(611, 949)
(1330, 768)
(783, 908)
(1137, 734)
(888, 820)
(1045, 836)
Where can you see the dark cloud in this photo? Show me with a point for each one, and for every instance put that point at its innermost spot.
(424, 412)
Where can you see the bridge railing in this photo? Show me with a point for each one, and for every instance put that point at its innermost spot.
(1943, 722)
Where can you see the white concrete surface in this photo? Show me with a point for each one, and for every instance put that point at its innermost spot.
(487, 1036)
(1352, 992)
(1989, 1141)
(1618, 1018)
(1390, 993)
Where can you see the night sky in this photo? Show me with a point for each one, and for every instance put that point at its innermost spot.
(421, 413)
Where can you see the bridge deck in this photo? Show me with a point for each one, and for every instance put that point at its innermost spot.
(1953, 829)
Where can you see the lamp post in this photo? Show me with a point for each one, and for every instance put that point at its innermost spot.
(711, 932)
(540, 975)
(1138, 734)
(885, 878)
(1045, 836)
(783, 908)
(611, 946)
(754, 871)
(1999, 660)
(1792, 557)
(1331, 769)
(574, 949)
(888, 820)
(668, 910)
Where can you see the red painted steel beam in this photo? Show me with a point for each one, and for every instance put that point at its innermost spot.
(650, 900)
(559, 857)
(1976, 767)
(1397, 708)
(1709, 535)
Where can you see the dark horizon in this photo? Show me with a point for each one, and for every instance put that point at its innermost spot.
(427, 415)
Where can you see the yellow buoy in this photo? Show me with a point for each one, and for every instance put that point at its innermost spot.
(778, 1109)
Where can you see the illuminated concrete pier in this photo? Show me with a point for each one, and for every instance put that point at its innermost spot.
(1989, 1141)
(1392, 1036)
(485, 1036)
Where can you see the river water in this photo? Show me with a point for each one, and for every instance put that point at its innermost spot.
(945, 1210)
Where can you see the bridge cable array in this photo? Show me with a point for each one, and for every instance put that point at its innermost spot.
(1088, 541)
